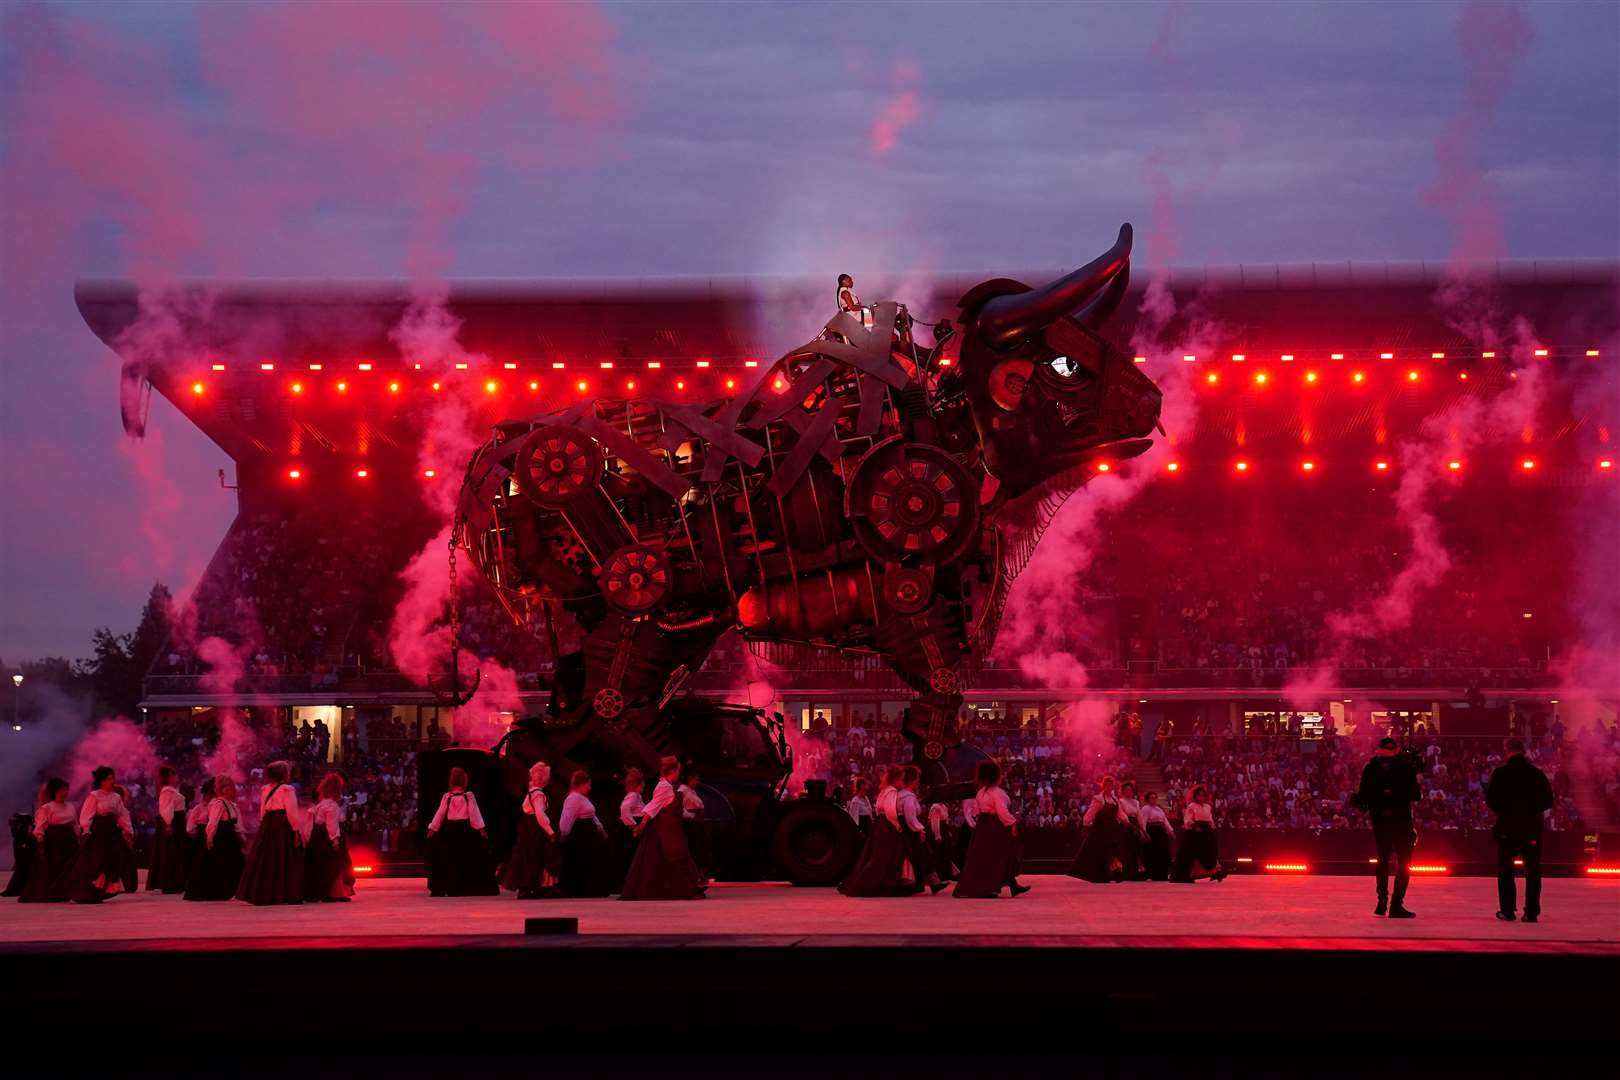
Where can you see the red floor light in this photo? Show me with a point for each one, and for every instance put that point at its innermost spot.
(429, 473)
(1241, 466)
(1605, 463)
(1139, 359)
(534, 385)
(1386, 356)
(1540, 352)
(1310, 376)
(435, 386)
(1411, 376)
(580, 385)
(365, 869)
(1381, 466)
(1487, 356)
(343, 387)
(1454, 466)
(393, 388)
(731, 384)
(298, 388)
(1288, 867)
(654, 365)
(361, 473)
(1527, 464)
(1307, 466)
(1239, 357)
(489, 388)
(1212, 378)
(293, 474)
(1358, 377)
(1103, 466)
(1189, 358)
(1591, 352)
(1174, 466)
(1428, 869)
(1260, 378)
(1610, 871)
(1244, 859)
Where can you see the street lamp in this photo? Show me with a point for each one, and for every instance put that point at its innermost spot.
(16, 702)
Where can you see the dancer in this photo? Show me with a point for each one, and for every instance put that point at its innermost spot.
(1098, 859)
(458, 845)
(1199, 855)
(1521, 796)
(56, 833)
(274, 873)
(197, 824)
(662, 868)
(24, 846)
(877, 871)
(585, 852)
(170, 843)
(860, 807)
(992, 858)
(964, 835)
(218, 870)
(631, 809)
(328, 871)
(1130, 837)
(918, 869)
(107, 854)
(942, 837)
(1156, 833)
(534, 866)
(132, 873)
(1389, 786)
(696, 826)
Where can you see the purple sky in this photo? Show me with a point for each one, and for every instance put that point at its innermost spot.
(230, 141)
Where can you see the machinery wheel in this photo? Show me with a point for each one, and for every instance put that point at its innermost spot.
(912, 499)
(815, 843)
(636, 579)
(556, 465)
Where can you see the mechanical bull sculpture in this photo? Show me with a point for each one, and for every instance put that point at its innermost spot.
(863, 496)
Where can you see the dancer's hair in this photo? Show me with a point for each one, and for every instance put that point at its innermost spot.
(539, 774)
(331, 786)
(893, 775)
(52, 786)
(668, 764)
(166, 774)
(910, 775)
(100, 776)
(632, 780)
(277, 772)
(580, 779)
(458, 777)
(208, 788)
(989, 774)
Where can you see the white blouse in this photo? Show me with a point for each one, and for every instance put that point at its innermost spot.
(170, 803)
(534, 804)
(457, 806)
(906, 806)
(1101, 805)
(691, 803)
(938, 814)
(52, 813)
(220, 810)
(326, 813)
(631, 807)
(196, 816)
(663, 795)
(280, 797)
(859, 807)
(992, 800)
(885, 806)
(1198, 812)
(104, 804)
(1153, 815)
(577, 808)
(970, 811)
(1130, 807)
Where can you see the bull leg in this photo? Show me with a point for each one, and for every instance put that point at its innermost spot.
(632, 667)
(926, 650)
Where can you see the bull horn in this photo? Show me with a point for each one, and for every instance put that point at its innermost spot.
(1006, 320)
(1104, 304)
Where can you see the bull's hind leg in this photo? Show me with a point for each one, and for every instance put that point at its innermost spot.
(926, 650)
(632, 666)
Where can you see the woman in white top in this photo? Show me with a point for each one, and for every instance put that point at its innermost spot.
(914, 835)
(56, 836)
(942, 838)
(1099, 859)
(217, 870)
(107, 855)
(533, 869)
(860, 807)
(328, 870)
(274, 873)
(696, 826)
(631, 809)
(587, 861)
(1199, 854)
(992, 858)
(458, 845)
(170, 844)
(880, 867)
(1156, 835)
(662, 866)
(1130, 837)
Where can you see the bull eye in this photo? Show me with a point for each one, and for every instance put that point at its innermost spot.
(1063, 366)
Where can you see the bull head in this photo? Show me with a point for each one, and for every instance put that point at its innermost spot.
(1045, 391)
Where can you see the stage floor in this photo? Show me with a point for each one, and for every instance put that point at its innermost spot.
(1579, 916)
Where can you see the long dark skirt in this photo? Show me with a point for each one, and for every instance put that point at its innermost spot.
(919, 864)
(171, 857)
(1130, 850)
(699, 844)
(105, 862)
(274, 873)
(879, 867)
(534, 867)
(23, 849)
(328, 870)
(587, 862)
(964, 841)
(945, 864)
(1156, 853)
(623, 843)
(1099, 857)
(1198, 856)
(992, 860)
(460, 862)
(217, 870)
(662, 867)
(50, 879)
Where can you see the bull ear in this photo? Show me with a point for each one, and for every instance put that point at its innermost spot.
(1004, 321)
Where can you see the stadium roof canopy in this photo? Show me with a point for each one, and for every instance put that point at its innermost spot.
(345, 370)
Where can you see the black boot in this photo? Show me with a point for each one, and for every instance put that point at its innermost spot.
(1382, 908)
(1396, 911)
(1016, 889)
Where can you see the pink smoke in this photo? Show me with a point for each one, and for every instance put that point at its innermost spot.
(900, 110)
(116, 742)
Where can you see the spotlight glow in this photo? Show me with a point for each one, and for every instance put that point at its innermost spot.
(1454, 466)
(343, 387)
(489, 387)
(294, 474)
(1260, 378)
(1212, 378)
(1358, 377)
(580, 385)
(1310, 376)
(1241, 466)
(1381, 466)
(196, 388)
(1103, 466)
(1174, 466)
(298, 388)
(1527, 464)
(393, 388)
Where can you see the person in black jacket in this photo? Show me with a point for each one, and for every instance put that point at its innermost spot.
(1519, 794)
(1389, 786)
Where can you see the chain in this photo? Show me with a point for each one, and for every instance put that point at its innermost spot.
(455, 605)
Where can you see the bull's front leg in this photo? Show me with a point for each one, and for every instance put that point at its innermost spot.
(927, 651)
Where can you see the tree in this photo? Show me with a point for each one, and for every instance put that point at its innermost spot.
(121, 661)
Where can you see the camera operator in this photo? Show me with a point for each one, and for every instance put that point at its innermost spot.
(1389, 786)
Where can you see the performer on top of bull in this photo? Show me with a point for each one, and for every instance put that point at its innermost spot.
(847, 300)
